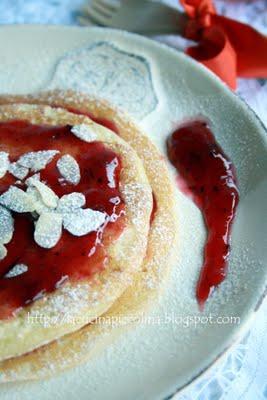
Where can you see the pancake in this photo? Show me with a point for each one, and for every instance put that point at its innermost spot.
(149, 281)
(92, 295)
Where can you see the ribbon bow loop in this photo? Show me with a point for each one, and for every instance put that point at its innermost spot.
(199, 9)
(227, 47)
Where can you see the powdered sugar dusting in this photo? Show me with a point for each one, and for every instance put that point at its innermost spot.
(69, 298)
(136, 194)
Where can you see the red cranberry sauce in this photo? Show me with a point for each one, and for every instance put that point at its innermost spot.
(209, 177)
(101, 121)
(112, 126)
(73, 257)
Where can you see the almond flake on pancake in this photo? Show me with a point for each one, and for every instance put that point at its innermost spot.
(84, 132)
(37, 177)
(110, 172)
(18, 269)
(18, 171)
(71, 202)
(17, 200)
(4, 163)
(50, 212)
(6, 225)
(3, 251)
(82, 222)
(49, 198)
(39, 205)
(48, 230)
(37, 160)
(69, 169)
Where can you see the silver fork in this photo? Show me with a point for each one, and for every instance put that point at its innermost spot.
(141, 16)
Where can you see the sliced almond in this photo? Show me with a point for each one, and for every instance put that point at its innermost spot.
(111, 167)
(18, 269)
(84, 132)
(18, 171)
(3, 251)
(4, 163)
(69, 169)
(37, 160)
(71, 202)
(6, 225)
(36, 177)
(49, 198)
(82, 222)
(39, 206)
(48, 230)
(17, 200)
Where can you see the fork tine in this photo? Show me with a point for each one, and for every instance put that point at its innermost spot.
(102, 7)
(84, 21)
(97, 15)
(111, 5)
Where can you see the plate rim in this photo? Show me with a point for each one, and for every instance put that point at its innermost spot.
(237, 333)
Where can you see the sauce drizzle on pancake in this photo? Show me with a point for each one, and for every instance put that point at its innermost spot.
(73, 257)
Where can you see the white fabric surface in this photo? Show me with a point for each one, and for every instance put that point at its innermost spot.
(242, 375)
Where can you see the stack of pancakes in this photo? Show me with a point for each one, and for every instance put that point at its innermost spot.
(138, 262)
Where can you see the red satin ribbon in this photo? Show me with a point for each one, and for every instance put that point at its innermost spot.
(227, 47)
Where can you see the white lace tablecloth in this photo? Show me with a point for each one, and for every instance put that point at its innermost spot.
(242, 375)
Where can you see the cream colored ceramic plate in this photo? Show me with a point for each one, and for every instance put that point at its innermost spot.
(160, 88)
